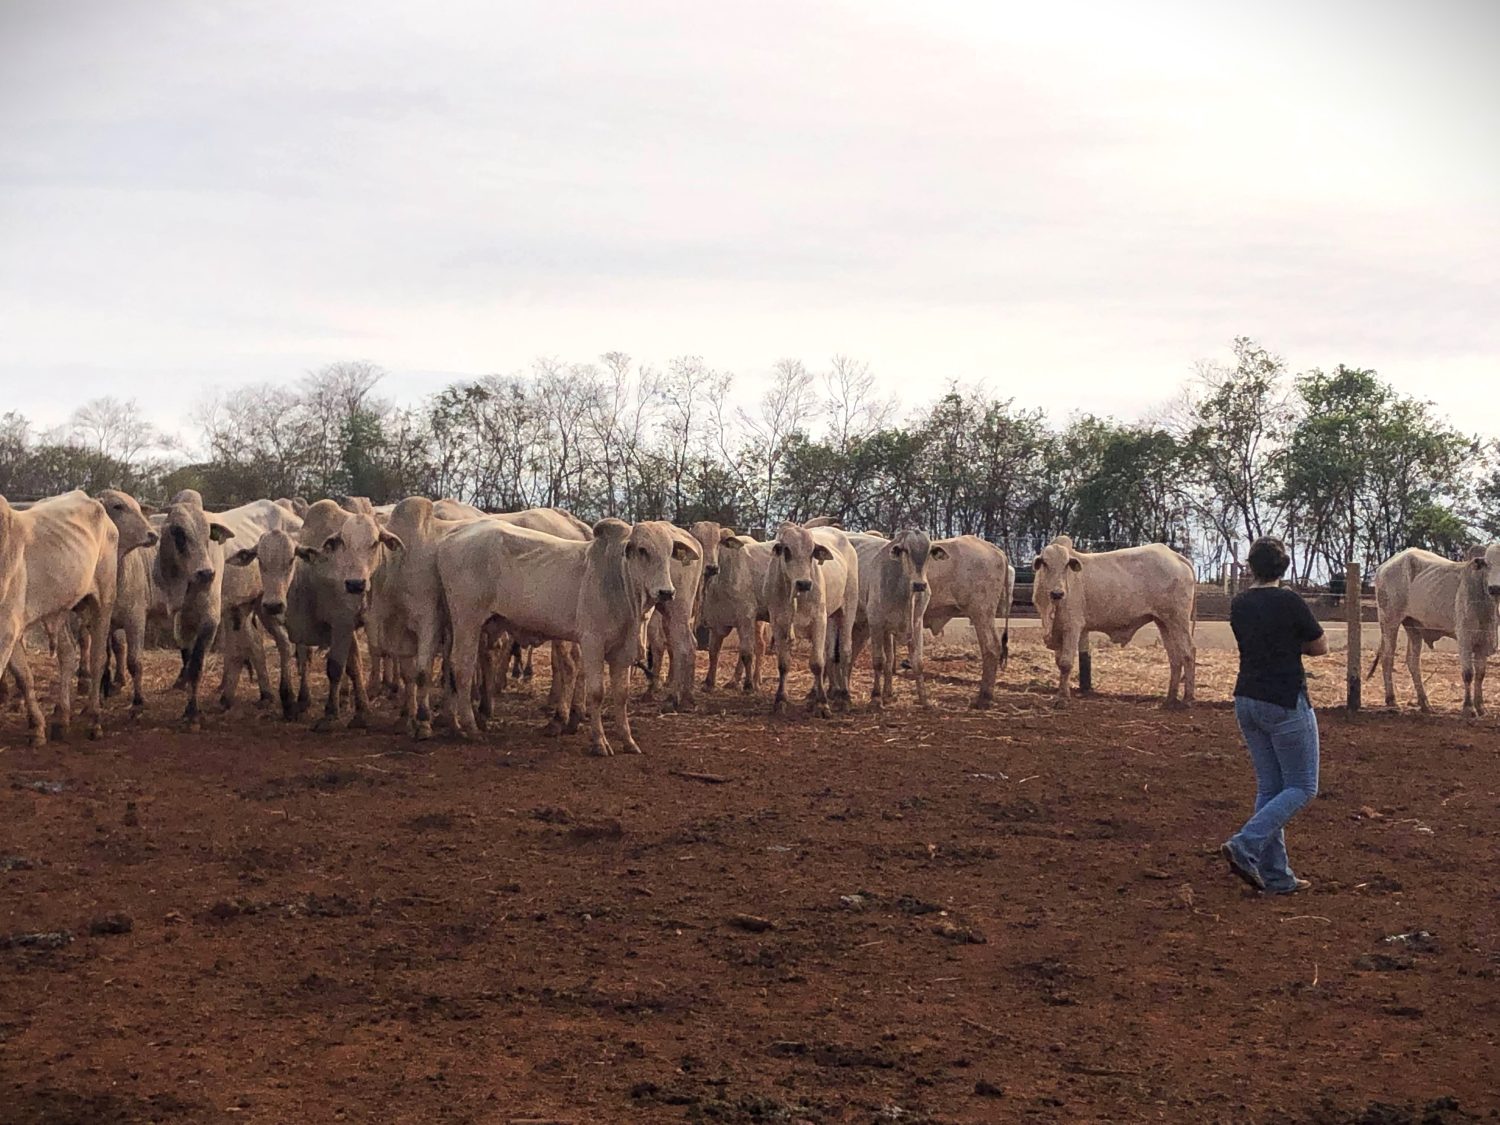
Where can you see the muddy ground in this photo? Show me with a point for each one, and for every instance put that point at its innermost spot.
(946, 916)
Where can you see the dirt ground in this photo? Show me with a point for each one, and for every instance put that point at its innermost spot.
(907, 916)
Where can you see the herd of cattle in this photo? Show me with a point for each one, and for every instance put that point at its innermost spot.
(439, 589)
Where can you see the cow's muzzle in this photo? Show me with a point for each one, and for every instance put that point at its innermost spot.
(275, 609)
(354, 585)
(1494, 591)
(803, 585)
(1056, 595)
(152, 539)
(204, 576)
(664, 595)
(710, 570)
(919, 587)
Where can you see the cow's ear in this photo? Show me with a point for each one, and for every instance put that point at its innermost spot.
(392, 540)
(937, 553)
(734, 542)
(243, 557)
(332, 543)
(307, 554)
(1479, 563)
(725, 534)
(778, 548)
(1039, 563)
(219, 533)
(148, 509)
(897, 550)
(1075, 564)
(684, 553)
(822, 553)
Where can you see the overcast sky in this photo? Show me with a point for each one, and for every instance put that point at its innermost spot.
(1072, 202)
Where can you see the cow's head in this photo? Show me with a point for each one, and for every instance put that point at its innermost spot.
(128, 519)
(910, 551)
(187, 536)
(1053, 572)
(276, 551)
(350, 555)
(798, 555)
(649, 551)
(1485, 568)
(710, 537)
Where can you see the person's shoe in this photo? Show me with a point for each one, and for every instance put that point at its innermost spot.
(1241, 864)
(1291, 889)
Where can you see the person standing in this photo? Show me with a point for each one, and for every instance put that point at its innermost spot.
(1274, 630)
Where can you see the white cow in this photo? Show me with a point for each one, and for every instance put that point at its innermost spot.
(973, 579)
(734, 590)
(811, 585)
(670, 629)
(539, 587)
(1116, 592)
(1431, 597)
(893, 597)
(70, 547)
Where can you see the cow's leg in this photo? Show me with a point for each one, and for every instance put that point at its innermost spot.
(284, 663)
(877, 662)
(338, 658)
(255, 648)
(132, 644)
(65, 645)
(1466, 671)
(1480, 660)
(235, 651)
(781, 638)
(1387, 661)
(96, 629)
(1172, 643)
(1414, 666)
(556, 693)
(890, 666)
(592, 655)
(419, 691)
(20, 670)
(619, 687)
(1065, 653)
(716, 640)
(461, 667)
(202, 641)
(304, 696)
(181, 682)
(576, 692)
(753, 646)
(817, 664)
(684, 649)
(989, 658)
(119, 646)
(360, 684)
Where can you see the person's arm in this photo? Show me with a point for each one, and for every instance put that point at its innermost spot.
(1309, 632)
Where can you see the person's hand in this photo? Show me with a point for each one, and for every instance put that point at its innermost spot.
(1318, 647)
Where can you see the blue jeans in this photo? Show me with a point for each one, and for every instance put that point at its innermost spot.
(1284, 748)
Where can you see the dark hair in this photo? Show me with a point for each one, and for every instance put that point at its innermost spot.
(1268, 558)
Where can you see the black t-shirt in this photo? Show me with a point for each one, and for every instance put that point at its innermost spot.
(1271, 624)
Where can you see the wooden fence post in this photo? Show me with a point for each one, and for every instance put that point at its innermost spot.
(1353, 604)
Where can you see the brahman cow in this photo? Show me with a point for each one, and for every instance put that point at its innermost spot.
(1431, 597)
(70, 550)
(670, 628)
(734, 589)
(812, 584)
(539, 587)
(893, 596)
(1116, 592)
(972, 579)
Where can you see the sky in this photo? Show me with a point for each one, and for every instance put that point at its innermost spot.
(1070, 203)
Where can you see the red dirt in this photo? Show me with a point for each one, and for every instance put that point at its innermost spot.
(908, 916)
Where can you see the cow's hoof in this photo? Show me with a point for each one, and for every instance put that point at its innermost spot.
(632, 747)
(572, 725)
(136, 711)
(983, 703)
(193, 725)
(265, 700)
(708, 688)
(553, 728)
(96, 731)
(1061, 703)
(877, 703)
(421, 730)
(1174, 705)
(688, 704)
(778, 707)
(57, 732)
(359, 721)
(668, 707)
(325, 724)
(225, 705)
(601, 749)
(38, 739)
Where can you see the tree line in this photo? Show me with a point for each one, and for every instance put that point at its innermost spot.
(1339, 463)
